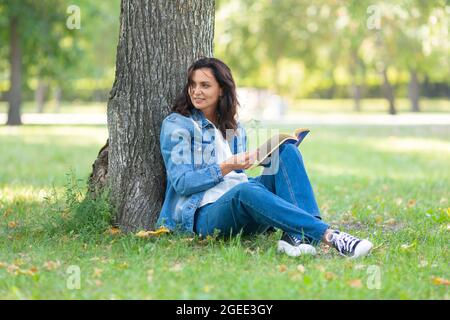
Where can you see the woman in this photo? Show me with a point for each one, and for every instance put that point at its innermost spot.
(204, 151)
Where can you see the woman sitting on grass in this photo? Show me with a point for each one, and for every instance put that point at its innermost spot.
(203, 147)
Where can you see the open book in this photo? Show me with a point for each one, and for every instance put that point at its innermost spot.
(268, 147)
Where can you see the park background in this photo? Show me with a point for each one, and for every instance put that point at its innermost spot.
(370, 79)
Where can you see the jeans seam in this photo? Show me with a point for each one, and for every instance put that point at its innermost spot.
(288, 183)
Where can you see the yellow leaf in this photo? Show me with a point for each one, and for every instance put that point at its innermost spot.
(146, 234)
(113, 231)
(7, 212)
(2, 265)
(12, 224)
(440, 281)
(411, 203)
(355, 283)
(282, 268)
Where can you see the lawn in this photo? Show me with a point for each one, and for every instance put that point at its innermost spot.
(390, 184)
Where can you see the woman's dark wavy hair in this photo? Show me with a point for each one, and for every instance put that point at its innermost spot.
(228, 103)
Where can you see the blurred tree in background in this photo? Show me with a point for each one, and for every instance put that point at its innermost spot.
(335, 49)
(295, 48)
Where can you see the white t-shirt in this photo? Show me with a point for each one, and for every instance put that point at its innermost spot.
(223, 152)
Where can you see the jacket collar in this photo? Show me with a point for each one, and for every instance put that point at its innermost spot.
(199, 117)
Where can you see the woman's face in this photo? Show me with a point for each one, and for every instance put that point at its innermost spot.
(204, 90)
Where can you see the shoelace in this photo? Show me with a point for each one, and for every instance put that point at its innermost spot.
(297, 241)
(344, 242)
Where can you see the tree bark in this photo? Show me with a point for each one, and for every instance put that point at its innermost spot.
(389, 92)
(414, 91)
(158, 41)
(15, 95)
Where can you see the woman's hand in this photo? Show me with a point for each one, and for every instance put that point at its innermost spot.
(239, 161)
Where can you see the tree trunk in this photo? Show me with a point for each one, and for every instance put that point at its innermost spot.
(414, 91)
(389, 92)
(39, 95)
(356, 92)
(158, 41)
(14, 95)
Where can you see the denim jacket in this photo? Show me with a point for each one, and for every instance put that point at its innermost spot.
(187, 147)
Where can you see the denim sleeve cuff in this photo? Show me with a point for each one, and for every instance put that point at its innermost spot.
(216, 173)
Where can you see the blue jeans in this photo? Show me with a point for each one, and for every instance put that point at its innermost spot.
(281, 198)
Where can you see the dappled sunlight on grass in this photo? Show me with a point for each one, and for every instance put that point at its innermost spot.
(372, 182)
(27, 193)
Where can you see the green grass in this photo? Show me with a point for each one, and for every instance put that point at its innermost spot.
(390, 184)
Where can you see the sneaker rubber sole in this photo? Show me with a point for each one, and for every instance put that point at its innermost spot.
(295, 251)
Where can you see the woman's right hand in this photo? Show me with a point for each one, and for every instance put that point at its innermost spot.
(239, 161)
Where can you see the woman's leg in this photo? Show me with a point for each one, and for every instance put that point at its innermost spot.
(251, 208)
(287, 178)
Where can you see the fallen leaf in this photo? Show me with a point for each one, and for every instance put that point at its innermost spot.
(411, 203)
(2, 265)
(12, 224)
(282, 268)
(30, 272)
(355, 283)
(97, 272)
(52, 265)
(113, 231)
(440, 281)
(146, 234)
(7, 212)
(13, 269)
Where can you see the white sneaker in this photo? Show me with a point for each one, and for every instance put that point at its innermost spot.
(294, 246)
(350, 246)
